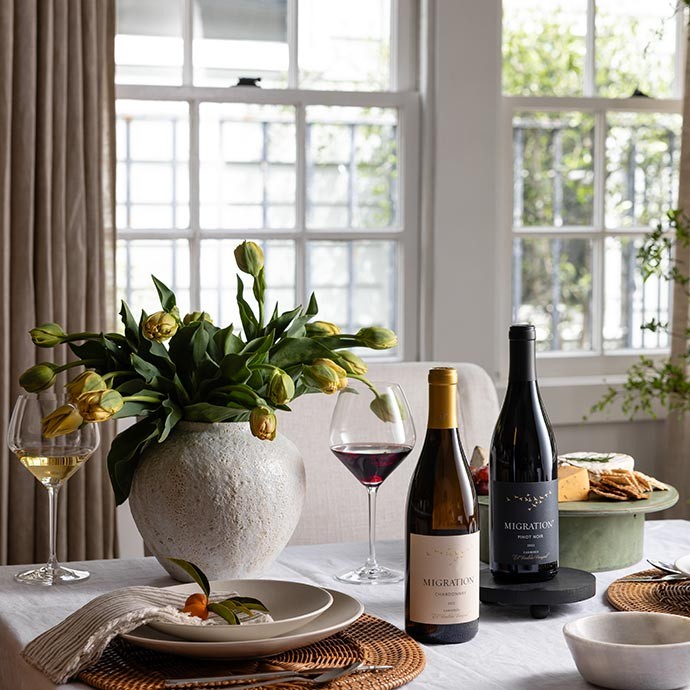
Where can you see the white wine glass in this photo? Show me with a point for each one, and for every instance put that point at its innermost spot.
(52, 461)
(371, 443)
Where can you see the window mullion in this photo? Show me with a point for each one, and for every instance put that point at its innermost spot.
(681, 47)
(194, 218)
(599, 241)
(187, 38)
(301, 203)
(293, 43)
(590, 50)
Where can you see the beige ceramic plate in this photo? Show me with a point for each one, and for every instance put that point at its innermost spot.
(291, 604)
(344, 611)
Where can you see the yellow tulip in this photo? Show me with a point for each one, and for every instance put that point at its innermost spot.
(160, 326)
(87, 382)
(263, 423)
(64, 420)
(99, 406)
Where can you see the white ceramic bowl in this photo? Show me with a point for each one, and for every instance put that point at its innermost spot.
(628, 650)
(291, 604)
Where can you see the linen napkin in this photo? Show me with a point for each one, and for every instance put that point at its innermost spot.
(79, 640)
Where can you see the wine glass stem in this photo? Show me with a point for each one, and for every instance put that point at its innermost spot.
(371, 560)
(53, 519)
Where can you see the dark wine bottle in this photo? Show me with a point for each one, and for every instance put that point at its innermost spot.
(442, 575)
(523, 489)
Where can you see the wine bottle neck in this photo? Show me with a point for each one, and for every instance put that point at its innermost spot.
(522, 361)
(443, 406)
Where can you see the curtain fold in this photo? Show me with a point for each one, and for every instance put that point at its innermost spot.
(57, 174)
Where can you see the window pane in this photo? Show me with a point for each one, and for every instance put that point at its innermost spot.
(642, 153)
(219, 282)
(148, 45)
(247, 166)
(635, 47)
(630, 302)
(553, 169)
(352, 167)
(552, 288)
(355, 282)
(152, 168)
(344, 45)
(544, 47)
(168, 260)
(240, 38)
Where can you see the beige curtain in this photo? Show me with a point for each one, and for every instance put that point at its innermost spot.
(56, 253)
(675, 460)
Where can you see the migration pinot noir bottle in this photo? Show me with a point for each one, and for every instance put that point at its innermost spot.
(523, 489)
(442, 575)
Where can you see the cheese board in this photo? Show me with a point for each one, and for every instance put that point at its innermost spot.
(596, 535)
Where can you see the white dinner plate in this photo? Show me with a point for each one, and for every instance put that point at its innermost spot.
(291, 604)
(683, 564)
(343, 611)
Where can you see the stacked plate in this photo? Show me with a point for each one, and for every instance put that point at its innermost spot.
(302, 614)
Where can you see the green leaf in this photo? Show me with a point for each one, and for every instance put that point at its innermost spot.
(165, 294)
(235, 369)
(249, 321)
(173, 416)
(196, 573)
(130, 324)
(145, 369)
(291, 351)
(251, 603)
(207, 412)
(297, 327)
(228, 343)
(125, 452)
(224, 612)
(278, 324)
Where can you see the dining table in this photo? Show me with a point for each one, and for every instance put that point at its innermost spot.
(511, 650)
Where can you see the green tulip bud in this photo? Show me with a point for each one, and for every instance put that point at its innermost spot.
(47, 335)
(321, 328)
(196, 316)
(325, 375)
(249, 258)
(385, 407)
(160, 326)
(351, 363)
(377, 338)
(86, 382)
(263, 423)
(64, 420)
(99, 406)
(38, 377)
(281, 388)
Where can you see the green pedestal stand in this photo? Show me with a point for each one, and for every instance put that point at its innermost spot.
(596, 535)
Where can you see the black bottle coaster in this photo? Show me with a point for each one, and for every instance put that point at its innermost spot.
(569, 586)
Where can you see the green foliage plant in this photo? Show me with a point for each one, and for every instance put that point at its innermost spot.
(163, 369)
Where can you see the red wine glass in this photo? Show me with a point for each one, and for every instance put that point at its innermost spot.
(372, 432)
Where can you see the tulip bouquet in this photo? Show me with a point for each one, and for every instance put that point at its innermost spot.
(163, 369)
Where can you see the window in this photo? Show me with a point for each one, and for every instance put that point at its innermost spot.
(316, 160)
(592, 89)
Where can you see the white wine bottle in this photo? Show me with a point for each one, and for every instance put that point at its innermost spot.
(442, 576)
(523, 486)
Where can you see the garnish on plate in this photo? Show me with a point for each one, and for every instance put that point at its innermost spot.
(235, 610)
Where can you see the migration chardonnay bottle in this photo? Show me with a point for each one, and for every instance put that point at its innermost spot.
(442, 575)
(523, 489)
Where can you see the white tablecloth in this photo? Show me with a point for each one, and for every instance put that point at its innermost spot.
(511, 650)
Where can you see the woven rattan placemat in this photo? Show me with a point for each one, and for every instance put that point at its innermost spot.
(124, 666)
(656, 597)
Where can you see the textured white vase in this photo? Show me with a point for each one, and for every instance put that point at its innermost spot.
(215, 495)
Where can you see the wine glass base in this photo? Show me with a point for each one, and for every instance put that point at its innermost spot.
(371, 575)
(52, 576)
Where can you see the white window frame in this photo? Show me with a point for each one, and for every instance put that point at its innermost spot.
(596, 365)
(403, 95)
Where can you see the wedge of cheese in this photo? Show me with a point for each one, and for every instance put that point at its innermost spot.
(573, 484)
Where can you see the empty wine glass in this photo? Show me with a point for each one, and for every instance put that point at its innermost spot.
(52, 461)
(372, 432)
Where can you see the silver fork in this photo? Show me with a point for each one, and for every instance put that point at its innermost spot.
(666, 567)
(321, 679)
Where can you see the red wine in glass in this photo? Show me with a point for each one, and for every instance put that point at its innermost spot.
(371, 463)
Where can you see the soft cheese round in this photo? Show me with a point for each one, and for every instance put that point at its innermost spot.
(596, 462)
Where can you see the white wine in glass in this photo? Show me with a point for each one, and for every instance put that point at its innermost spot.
(52, 461)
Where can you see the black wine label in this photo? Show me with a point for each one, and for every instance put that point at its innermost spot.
(524, 522)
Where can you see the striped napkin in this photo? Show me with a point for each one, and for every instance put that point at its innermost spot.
(69, 647)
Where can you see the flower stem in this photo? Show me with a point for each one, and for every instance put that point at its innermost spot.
(78, 363)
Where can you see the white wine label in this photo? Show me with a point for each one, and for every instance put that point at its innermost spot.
(444, 579)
